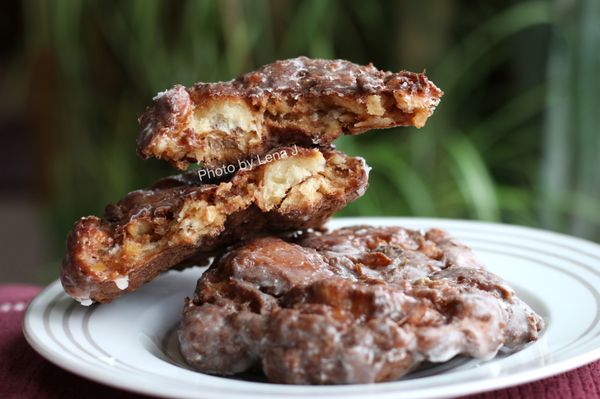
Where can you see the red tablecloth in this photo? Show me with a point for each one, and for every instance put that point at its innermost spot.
(25, 374)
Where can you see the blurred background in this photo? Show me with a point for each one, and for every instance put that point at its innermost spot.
(515, 138)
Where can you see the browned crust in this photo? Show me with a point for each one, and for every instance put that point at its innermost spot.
(360, 304)
(303, 101)
(98, 249)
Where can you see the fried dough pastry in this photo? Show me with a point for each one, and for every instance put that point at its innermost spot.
(297, 101)
(356, 305)
(150, 231)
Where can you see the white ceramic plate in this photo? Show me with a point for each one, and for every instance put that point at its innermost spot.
(130, 343)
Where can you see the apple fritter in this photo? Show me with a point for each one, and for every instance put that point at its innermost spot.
(150, 231)
(297, 101)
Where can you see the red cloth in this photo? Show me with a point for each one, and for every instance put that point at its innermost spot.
(25, 374)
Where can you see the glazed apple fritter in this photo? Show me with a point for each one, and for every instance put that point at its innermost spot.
(356, 305)
(299, 101)
(150, 231)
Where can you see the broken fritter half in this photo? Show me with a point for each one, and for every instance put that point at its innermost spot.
(150, 231)
(300, 101)
(357, 305)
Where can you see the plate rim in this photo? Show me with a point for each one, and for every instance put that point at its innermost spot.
(91, 372)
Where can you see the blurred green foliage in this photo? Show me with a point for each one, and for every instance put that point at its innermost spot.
(514, 139)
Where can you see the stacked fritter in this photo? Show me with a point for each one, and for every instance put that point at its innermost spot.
(181, 217)
(360, 304)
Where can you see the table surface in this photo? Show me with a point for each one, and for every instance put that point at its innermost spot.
(25, 374)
